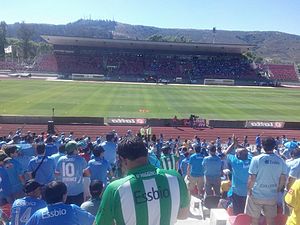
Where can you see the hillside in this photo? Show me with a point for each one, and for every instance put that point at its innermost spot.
(278, 46)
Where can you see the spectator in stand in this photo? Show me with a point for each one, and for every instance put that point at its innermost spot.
(284, 140)
(15, 171)
(168, 160)
(50, 147)
(57, 212)
(195, 172)
(132, 199)
(295, 154)
(229, 141)
(258, 143)
(142, 132)
(5, 186)
(212, 166)
(245, 141)
(23, 208)
(148, 132)
(184, 164)
(92, 205)
(61, 152)
(292, 199)
(152, 158)
(239, 159)
(99, 167)
(110, 149)
(41, 168)
(294, 168)
(218, 143)
(267, 177)
(70, 169)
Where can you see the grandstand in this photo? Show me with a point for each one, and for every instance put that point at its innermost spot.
(137, 60)
(282, 72)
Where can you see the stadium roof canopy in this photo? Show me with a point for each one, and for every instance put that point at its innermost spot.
(189, 47)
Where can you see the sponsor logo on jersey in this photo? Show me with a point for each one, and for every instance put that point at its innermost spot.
(270, 162)
(142, 197)
(54, 213)
(24, 203)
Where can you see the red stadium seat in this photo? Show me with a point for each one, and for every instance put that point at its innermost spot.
(240, 219)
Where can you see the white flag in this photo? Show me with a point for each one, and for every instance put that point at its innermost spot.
(8, 49)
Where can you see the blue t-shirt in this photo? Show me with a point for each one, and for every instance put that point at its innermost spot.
(183, 166)
(295, 169)
(258, 141)
(70, 168)
(24, 161)
(152, 158)
(56, 157)
(212, 166)
(23, 208)
(5, 186)
(240, 174)
(14, 171)
(195, 162)
(27, 149)
(98, 168)
(50, 149)
(268, 168)
(60, 213)
(45, 174)
(110, 153)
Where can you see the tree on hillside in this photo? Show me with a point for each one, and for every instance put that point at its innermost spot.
(25, 33)
(156, 37)
(3, 29)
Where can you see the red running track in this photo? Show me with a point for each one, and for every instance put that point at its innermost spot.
(184, 132)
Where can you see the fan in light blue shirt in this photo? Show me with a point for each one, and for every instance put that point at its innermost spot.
(23, 208)
(57, 212)
(99, 167)
(268, 168)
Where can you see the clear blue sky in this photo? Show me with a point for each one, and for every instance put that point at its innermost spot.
(246, 15)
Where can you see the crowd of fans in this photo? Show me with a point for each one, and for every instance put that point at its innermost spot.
(34, 165)
(159, 66)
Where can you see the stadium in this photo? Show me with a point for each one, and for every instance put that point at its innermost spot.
(89, 87)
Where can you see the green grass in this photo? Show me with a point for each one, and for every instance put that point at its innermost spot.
(37, 97)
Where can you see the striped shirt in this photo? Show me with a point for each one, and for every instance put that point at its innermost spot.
(144, 197)
(168, 162)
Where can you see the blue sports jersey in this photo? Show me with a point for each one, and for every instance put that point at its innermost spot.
(70, 168)
(23, 208)
(56, 157)
(60, 213)
(195, 163)
(5, 186)
(50, 149)
(268, 168)
(110, 152)
(98, 168)
(14, 171)
(212, 166)
(240, 174)
(45, 174)
(295, 169)
(183, 166)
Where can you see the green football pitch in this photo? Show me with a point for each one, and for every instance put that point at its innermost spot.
(38, 97)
